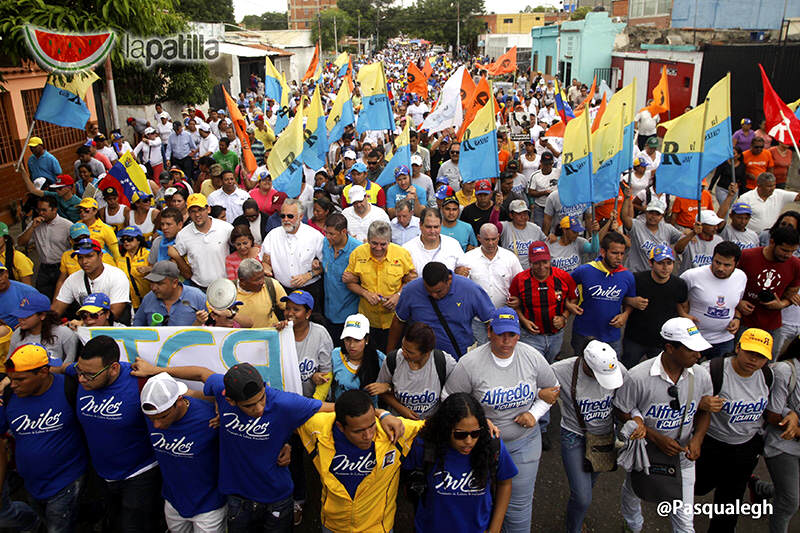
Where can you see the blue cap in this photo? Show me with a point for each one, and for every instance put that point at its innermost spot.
(86, 247)
(505, 320)
(359, 166)
(401, 170)
(96, 302)
(661, 252)
(443, 192)
(741, 208)
(443, 180)
(300, 298)
(78, 229)
(31, 304)
(130, 231)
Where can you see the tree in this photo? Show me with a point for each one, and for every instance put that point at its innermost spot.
(543, 9)
(580, 13)
(270, 20)
(378, 17)
(436, 21)
(205, 11)
(344, 26)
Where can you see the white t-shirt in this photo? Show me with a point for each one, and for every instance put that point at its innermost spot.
(544, 182)
(495, 275)
(231, 202)
(292, 254)
(205, 252)
(713, 301)
(112, 282)
(357, 226)
(448, 252)
(765, 212)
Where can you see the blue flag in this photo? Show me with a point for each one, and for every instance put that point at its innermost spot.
(376, 111)
(575, 184)
(479, 157)
(62, 102)
(718, 143)
(679, 171)
(402, 156)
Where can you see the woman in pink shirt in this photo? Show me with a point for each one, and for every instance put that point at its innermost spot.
(782, 159)
(264, 194)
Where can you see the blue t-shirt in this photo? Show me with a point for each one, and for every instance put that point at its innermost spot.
(602, 300)
(249, 447)
(394, 194)
(344, 378)
(465, 300)
(114, 425)
(188, 454)
(9, 301)
(179, 314)
(453, 502)
(50, 451)
(463, 233)
(340, 302)
(351, 464)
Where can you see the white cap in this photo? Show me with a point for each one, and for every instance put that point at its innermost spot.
(204, 127)
(684, 331)
(148, 130)
(356, 193)
(518, 206)
(355, 327)
(349, 154)
(160, 393)
(656, 204)
(707, 216)
(602, 359)
(170, 191)
(416, 159)
(39, 182)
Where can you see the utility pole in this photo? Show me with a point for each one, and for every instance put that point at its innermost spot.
(377, 27)
(359, 34)
(319, 33)
(458, 26)
(335, 38)
(111, 94)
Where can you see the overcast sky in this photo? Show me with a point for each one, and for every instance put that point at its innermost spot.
(248, 7)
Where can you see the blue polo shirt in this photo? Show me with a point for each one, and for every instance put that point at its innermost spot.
(463, 233)
(67, 208)
(9, 301)
(394, 194)
(340, 302)
(44, 166)
(602, 293)
(179, 314)
(465, 301)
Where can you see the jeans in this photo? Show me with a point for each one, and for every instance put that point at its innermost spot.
(573, 450)
(248, 516)
(785, 471)
(633, 353)
(47, 278)
(61, 511)
(16, 515)
(783, 334)
(579, 342)
(719, 350)
(538, 215)
(549, 346)
(135, 504)
(297, 470)
(526, 452)
(722, 194)
(186, 164)
(479, 332)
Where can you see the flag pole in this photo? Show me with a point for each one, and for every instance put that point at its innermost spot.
(619, 159)
(791, 135)
(25, 146)
(700, 164)
(591, 174)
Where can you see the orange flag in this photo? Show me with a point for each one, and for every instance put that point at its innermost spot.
(427, 69)
(467, 88)
(240, 126)
(417, 82)
(589, 96)
(660, 102)
(348, 76)
(505, 63)
(476, 101)
(312, 67)
(599, 116)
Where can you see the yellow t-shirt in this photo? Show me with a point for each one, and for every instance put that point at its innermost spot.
(104, 234)
(134, 276)
(463, 199)
(267, 137)
(69, 265)
(207, 188)
(258, 305)
(22, 267)
(384, 277)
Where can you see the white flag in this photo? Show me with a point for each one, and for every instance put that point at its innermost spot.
(448, 112)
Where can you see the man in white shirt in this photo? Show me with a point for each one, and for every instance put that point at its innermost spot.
(419, 151)
(416, 112)
(288, 253)
(361, 213)
(422, 180)
(208, 142)
(405, 226)
(766, 202)
(431, 245)
(229, 196)
(449, 169)
(646, 126)
(204, 243)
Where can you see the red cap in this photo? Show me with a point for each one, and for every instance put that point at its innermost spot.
(483, 186)
(63, 180)
(538, 251)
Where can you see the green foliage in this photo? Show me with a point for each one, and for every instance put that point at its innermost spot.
(270, 20)
(436, 21)
(345, 25)
(580, 13)
(205, 11)
(187, 83)
(541, 9)
(375, 14)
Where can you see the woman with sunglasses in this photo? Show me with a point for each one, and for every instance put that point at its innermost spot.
(144, 216)
(134, 262)
(467, 485)
(244, 247)
(95, 313)
(356, 365)
(39, 325)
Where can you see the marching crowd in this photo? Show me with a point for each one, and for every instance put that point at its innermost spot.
(429, 320)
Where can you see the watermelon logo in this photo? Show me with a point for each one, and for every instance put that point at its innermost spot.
(67, 52)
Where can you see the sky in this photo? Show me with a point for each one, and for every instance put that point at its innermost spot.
(248, 7)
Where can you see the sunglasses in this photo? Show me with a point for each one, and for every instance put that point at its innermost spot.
(251, 217)
(91, 377)
(290, 216)
(674, 403)
(461, 435)
(454, 151)
(370, 163)
(86, 314)
(85, 209)
(127, 239)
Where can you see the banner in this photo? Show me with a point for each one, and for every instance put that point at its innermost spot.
(272, 352)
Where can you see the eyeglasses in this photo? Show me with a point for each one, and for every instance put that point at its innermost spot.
(674, 403)
(461, 435)
(87, 314)
(126, 239)
(251, 217)
(370, 163)
(290, 216)
(90, 377)
(454, 151)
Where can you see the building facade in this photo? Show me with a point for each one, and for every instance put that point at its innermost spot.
(544, 49)
(303, 13)
(586, 46)
(512, 22)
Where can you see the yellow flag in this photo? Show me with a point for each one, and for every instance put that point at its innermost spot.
(272, 81)
(606, 142)
(315, 110)
(793, 106)
(615, 106)
(372, 79)
(686, 131)
(719, 102)
(288, 146)
(135, 172)
(342, 59)
(336, 111)
(577, 143)
(483, 122)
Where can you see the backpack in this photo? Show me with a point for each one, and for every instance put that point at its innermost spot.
(717, 370)
(439, 361)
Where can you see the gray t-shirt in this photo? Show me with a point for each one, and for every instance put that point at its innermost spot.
(314, 355)
(568, 257)
(699, 252)
(418, 390)
(518, 240)
(504, 392)
(643, 240)
(648, 394)
(64, 346)
(553, 207)
(594, 401)
(743, 239)
(745, 400)
(781, 400)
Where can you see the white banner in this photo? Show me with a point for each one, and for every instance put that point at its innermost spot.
(448, 111)
(272, 352)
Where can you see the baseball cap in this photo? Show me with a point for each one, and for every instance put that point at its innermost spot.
(444, 191)
(639, 162)
(518, 206)
(110, 191)
(483, 187)
(684, 331)
(116, 135)
(196, 200)
(160, 393)
(31, 304)
(130, 231)
(39, 182)
(359, 166)
(602, 359)
(450, 200)
(35, 141)
(443, 180)
(652, 141)
(85, 247)
(78, 229)
(505, 320)
(250, 129)
(220, 111)
(416, 159)
(356, 193)
(707, 216)
(757, 340)
(349, 154)
(355, 327)
(744, 121)
(741, 208)
(661, 252)
(401, 170)
(169, 191)
(204, 127)
(62, 180)
(300, 298)
(538, 251)
(547, 156)
(88, 203)
(242, 381)
(28, 357)
(657, 205)
(162, 270)
(573, 223)
(148, 131)
(96, 302)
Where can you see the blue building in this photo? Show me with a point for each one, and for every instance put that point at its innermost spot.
(544, 49)
(586, 46)
(732, 14)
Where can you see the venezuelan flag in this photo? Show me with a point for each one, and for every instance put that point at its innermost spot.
(63, 100)
(341, 114)
(136, 175)
(562, 107)
(284, 162)
(575, 184)
(479, 157)
(402, 156)
(315, 147)
(272, 81)
(718, 142)
(376, 112)
(679, 171)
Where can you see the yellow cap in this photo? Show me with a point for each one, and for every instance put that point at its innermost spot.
(27, 357)
(88, 202)
(196, 200)
(35, 141)
(757, 340)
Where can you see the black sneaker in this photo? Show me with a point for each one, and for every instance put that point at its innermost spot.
(759, 490)
(546, 444)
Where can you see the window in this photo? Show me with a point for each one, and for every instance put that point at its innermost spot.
(548, 65)
(508, 21)
(53, 136)
(6, 146)
(649, 8)
(536, 61)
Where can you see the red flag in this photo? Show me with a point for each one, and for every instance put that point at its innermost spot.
(240, 126)
(427, 69)
(312, 67)
(780, 119)
(417, 81)
(505, 63)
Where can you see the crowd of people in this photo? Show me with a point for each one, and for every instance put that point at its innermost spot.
(431, 321)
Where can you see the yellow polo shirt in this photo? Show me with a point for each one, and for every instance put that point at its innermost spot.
(134, 276)
(267, 136)
(104, 234)
(383, 277)
(22, 266)
(258, 305)
(69, 264)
